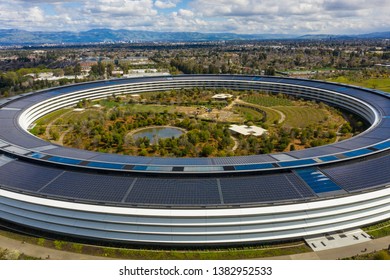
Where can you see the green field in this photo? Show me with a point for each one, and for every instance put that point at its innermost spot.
(301, 116)
(249, 114)
(379, 83)
(45, 120)
(268, 100)
(379, 230)
(272, 115)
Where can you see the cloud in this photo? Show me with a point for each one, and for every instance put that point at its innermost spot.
(121, 7)
(298, 16)
(185, 13)
(34, 2)
(240, 16)
(165, 4)
(235, 7)
(337, 5)
(35, 14)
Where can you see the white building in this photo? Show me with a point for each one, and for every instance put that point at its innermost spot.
(222, 96)
(248, 130)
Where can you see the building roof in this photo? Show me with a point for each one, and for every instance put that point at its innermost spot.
(248, 130)
(222, 96)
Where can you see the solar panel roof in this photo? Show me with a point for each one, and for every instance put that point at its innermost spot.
(172, 189)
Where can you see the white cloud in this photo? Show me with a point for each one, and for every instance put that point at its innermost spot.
(35, 14)
(235, 7)
(185, 13)
(165, 4)
(240, 16)
(298, 16)
(121, 7)
(34, 2)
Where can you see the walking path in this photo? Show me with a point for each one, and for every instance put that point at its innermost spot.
(42, 252)
(331, 254)
(342, 252)
(281, 114)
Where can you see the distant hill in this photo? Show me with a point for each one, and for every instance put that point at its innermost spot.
(21, 37)
(376, 35)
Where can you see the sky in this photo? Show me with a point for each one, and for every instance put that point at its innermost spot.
(236, 16)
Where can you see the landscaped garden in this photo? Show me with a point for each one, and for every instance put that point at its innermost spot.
(202, 124)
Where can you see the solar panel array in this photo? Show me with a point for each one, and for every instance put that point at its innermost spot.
(267, 188)
(134, 188)
(361, 175)
(89, 186)
(158, 191)
(26, 176)
(175, 191)
(317, 180)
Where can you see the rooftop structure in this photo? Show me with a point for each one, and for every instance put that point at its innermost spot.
(222, 96)
(247, 130)
(195, 201)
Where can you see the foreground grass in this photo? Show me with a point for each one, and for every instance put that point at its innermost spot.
(153, 254)
(6, 254)
(379, 230)
(380, 255)
(374, 83)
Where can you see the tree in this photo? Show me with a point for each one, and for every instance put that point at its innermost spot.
(58, 72)
(346, 128)
(207, 150)
(270, 71)
(68, 71)
(110, 68)
(98, 69)
(77, 69)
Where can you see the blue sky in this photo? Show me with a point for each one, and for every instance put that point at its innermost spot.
(238, 16)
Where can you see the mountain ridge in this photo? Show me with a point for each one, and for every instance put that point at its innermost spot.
(105, 35)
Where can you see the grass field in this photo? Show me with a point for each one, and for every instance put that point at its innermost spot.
(302, 116)
(268, 100)
(379, 84)
(379, 230)
(249, 114)
(272, 114)
(52, 116)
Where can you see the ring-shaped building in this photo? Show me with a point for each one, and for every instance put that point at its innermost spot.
(195, 201)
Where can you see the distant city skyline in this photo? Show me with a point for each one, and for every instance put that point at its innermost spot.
(206, 16)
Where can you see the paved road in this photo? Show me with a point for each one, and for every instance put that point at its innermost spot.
(331, 254)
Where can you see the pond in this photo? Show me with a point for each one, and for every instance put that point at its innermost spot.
(155, 133)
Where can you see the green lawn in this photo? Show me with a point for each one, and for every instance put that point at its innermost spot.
(45, 120)
(249, 114)
(301, 116)
(268, 100)
(378, 230)
(379, 84)
(272, 115)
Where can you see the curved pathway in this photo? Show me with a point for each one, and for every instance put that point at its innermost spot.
(239, 101)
